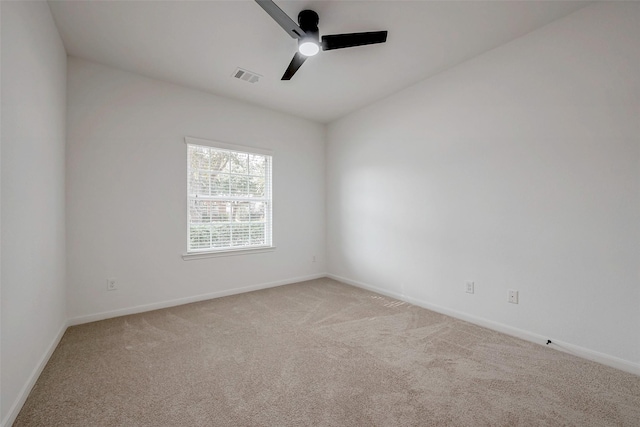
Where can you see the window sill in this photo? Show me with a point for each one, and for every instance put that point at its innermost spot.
(231, 252)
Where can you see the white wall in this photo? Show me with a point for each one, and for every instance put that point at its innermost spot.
(126, 192)
(518, 169)
(33, 200)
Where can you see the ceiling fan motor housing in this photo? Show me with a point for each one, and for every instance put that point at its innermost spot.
(308, 20)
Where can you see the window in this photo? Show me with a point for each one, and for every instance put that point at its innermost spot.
(229, 197)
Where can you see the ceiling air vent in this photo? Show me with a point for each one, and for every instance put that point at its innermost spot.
(247, 76)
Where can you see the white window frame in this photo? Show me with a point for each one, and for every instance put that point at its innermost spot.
(209, 252)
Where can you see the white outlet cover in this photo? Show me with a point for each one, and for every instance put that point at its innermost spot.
(470, 287)
(112, 285)
(513, 296)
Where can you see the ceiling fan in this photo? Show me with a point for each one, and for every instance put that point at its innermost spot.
(307, 34)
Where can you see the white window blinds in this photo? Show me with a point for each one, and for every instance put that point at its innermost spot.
(229, 199)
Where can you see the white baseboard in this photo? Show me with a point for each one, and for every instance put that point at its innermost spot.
(585, 353)
(186, 300)
(35, 374)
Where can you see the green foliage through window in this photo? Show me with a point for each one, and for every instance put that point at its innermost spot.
(229, 196)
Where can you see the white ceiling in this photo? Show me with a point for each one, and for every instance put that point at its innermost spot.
(200, 43)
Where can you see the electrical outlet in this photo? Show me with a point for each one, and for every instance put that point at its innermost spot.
(111, 284)
(513, 296)
(470, 287)
(313, 259)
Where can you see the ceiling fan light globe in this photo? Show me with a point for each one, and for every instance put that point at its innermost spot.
(308, 48)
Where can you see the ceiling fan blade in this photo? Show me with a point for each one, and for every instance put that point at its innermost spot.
(340, 41)
(281, 18)
(296, 62)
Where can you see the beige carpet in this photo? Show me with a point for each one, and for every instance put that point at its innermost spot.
(317, 353)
